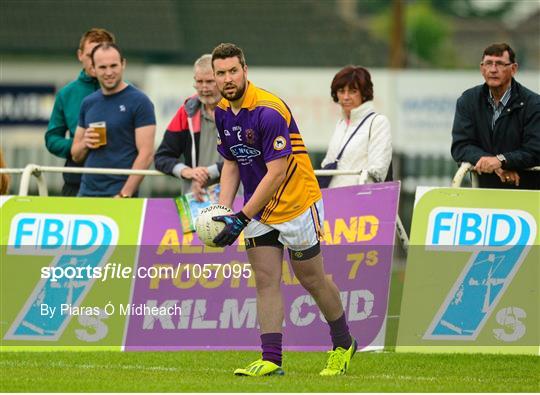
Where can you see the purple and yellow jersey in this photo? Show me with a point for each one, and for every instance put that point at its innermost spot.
(265, 130)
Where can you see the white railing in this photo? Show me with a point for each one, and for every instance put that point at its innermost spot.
(467, 167)
(37, 171)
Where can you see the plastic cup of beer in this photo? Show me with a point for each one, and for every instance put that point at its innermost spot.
(101, 129)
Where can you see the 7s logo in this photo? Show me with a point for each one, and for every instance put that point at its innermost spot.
(73, 240)
(499, 241)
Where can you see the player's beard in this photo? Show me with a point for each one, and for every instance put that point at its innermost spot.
(237, 94)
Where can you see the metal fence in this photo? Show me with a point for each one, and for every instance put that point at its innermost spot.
(38, 172)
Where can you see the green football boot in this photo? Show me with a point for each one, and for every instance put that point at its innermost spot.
(339, 360)
(260, 368)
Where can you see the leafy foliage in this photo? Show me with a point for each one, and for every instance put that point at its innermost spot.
(426, 34)
(428, 25)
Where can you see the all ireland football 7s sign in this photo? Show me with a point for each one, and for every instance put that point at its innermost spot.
(122, 274)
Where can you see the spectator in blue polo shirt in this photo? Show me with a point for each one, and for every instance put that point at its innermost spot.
(130, 128)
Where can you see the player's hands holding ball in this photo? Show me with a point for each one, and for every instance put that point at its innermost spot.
(218, 226)
(234, 225)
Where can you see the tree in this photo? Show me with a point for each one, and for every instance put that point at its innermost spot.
(426, 34)
(428, 25)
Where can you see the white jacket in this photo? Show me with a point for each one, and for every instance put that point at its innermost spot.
(370, 149)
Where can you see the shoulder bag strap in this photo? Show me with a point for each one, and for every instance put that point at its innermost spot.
(352, 135)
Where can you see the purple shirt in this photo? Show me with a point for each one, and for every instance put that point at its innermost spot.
(258, 134)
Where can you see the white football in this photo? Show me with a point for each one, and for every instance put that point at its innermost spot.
(206, 228)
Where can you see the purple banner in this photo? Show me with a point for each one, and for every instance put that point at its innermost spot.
(219, 312)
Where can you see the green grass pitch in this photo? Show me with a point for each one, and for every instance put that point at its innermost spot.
(207, 371)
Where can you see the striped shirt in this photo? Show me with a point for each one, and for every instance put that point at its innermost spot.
(498, 108)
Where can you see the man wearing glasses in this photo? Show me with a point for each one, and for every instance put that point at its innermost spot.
(188, 149)
(497, 125)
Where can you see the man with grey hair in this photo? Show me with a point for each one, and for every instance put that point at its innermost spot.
(497, 125)
(188, 149)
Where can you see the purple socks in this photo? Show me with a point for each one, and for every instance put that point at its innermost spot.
(271, 347)
(271, 342)
(339, 331)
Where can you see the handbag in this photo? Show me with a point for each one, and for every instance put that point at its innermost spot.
(324, 181)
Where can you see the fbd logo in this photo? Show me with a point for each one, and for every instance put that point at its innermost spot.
(51, 234)
(75, 241)
(499, 241)
(468, 228)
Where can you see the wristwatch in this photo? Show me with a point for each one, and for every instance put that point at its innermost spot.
(502, 159)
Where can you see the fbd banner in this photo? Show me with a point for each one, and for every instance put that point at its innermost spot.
(121, 274)
(472, 279)
(52, 252)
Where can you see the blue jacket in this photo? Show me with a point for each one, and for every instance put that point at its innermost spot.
(516, 134)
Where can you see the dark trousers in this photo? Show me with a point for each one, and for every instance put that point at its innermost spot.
(70, 189)
(528, 180)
